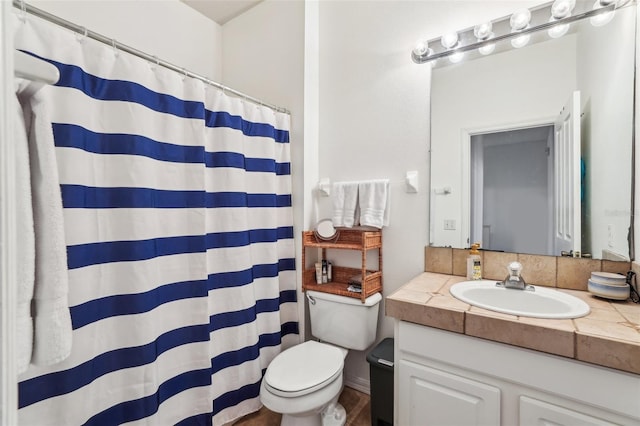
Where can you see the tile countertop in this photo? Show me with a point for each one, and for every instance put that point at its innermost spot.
(608, 336)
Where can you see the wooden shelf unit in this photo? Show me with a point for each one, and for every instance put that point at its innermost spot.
(348, 239)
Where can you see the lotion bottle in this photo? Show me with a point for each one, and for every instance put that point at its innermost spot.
(474, 263)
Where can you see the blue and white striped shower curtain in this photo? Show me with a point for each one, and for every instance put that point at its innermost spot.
(179, 234)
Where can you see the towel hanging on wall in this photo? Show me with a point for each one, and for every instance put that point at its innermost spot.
(373, 198)
(364, 203)
(345, 203)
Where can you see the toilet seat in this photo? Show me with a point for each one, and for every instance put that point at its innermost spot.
(303, 369)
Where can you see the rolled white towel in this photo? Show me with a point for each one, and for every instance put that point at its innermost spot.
(52, 319)
(25, 245)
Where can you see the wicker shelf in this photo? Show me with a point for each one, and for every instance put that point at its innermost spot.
(348, 239)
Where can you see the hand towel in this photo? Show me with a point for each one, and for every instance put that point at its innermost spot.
(345, 201)
(373, 198)
(25, 250)
(52, 319)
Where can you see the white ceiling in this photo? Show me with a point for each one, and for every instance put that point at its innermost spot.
(221, 11)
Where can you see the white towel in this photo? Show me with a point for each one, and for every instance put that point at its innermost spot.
(373, 199)
(345, 201)
(52, 320)
(25, 250)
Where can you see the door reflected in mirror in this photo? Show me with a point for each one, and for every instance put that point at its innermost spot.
(585, 196)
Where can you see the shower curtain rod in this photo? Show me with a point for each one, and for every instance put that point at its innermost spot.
(27, 8)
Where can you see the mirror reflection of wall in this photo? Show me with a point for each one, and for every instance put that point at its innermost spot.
(514, 165)
(528, 87)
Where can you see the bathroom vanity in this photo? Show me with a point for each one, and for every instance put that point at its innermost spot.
(458, 364)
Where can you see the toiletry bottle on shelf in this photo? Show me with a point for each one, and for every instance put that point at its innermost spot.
(474, 263)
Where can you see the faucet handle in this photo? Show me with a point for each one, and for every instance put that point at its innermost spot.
(514, 268)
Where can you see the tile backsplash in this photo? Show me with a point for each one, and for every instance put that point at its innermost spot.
(550, 271)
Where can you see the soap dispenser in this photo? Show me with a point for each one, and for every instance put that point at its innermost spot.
(474, 263)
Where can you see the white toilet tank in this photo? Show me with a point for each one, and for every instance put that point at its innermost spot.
(344, 321)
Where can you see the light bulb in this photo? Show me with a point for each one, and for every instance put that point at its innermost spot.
(602, 18)
(449, 40)
(487, 49)
(520, 19)
(483, 31)
(456, 57)
(562, 8)
(557, 31)
(421, 48)
(520, 41)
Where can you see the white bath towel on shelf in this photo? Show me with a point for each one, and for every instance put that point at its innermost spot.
(52, 319)
(373, 197)
(345, 203)
(25, 250)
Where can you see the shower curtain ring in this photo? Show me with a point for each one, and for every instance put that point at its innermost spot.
(114, 44)
(82, 37)
(23, 11)
(155, 64)
(184, 72)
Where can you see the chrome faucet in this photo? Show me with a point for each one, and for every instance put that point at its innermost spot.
(514, 279)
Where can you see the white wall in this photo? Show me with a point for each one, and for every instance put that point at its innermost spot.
(607, 139)
(168, 29)
(374, 116)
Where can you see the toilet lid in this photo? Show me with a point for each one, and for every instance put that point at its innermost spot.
(304, 366)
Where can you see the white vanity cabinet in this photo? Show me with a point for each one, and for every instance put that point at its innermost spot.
(446, 378)
(442, 398)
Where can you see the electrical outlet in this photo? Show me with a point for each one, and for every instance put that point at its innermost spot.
(450, 224)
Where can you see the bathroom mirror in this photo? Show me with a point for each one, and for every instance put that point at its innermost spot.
(497, 175)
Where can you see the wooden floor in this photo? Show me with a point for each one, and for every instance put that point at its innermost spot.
(356, 403)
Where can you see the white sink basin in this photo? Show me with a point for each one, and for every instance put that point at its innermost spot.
(541, 303)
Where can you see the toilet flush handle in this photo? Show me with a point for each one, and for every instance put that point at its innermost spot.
(311, 299)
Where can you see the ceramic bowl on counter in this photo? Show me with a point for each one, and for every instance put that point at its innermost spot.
(609, 291)
(609, 278)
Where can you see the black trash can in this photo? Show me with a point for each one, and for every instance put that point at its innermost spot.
(380, 361)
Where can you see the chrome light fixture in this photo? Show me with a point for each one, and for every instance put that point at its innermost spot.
(554, 18)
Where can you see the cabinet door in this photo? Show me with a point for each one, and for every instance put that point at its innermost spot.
(428, 396)
(535, 412)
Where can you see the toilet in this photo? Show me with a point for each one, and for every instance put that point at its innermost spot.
(303, 383)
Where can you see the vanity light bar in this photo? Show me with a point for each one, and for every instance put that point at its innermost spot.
(502, 30)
